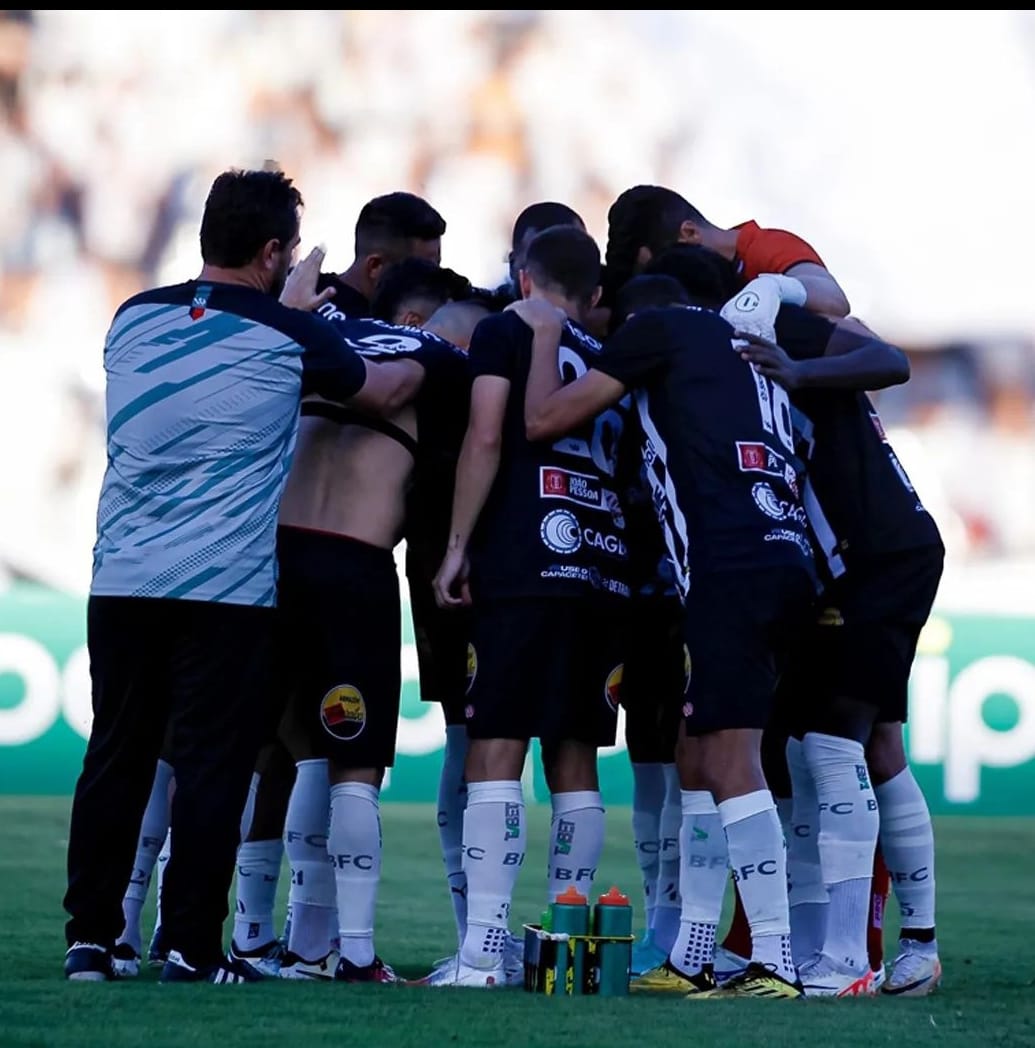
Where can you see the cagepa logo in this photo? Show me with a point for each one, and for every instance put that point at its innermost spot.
(560, 531)
(768, 501)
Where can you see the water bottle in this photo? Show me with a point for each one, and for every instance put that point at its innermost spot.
(612, 916)
(570, 914)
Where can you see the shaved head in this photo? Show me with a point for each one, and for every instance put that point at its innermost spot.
(456, 321)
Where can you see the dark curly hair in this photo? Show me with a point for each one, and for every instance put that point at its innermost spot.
(411, 278)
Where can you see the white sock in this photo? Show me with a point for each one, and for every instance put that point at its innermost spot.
(807, 893)
(314, 919)
(703, 871)
(848, 827)
(576, 841)
(667, 897)
(249, 806)
(163, 861)
(452, 799)
(647, 800)
(759, 863)
(154, 827)
(258, 873)
(494, 850)
(907, 842)
(354, 845)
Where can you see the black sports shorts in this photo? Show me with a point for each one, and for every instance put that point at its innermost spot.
(862, 641)
(737, 626)
(546, 668)
(341, 638)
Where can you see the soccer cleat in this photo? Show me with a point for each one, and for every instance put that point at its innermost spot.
(266, 960)
(756, 980)
(375, 972)
(227, 970)
(292, 966)
(915, 972)
(88, 962)
(702, 984)
(157, 952)
(880, 976)
(645, 955)
(456, 973)
(824, 977)
(125, 961)
(728, 964)
(665, 978)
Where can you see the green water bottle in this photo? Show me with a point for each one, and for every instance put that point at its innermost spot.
(612, 916)
(570, 914)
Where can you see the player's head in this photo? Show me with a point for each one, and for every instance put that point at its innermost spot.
(642, 222)
(393, 227)
(251, 220)
(411, 289)
(563, 262)
(708, 278)
(456, 321)
(648, 291)
(533, 219)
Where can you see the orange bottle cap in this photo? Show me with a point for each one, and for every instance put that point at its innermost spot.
(571, 896)
(613, 897)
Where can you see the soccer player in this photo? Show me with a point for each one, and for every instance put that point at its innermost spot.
(744, 571)
(203, 387)
(412, 289)
(345, 508)
(542, 527)
(389, 228)
(882, 561)
(644, 221)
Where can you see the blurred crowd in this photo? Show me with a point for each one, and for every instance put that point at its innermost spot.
(113, 124)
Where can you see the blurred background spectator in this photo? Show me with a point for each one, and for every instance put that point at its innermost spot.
(913, 182)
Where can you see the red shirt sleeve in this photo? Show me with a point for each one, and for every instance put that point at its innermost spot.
(770, 251)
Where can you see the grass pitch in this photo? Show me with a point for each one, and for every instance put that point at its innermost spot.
(986, 908)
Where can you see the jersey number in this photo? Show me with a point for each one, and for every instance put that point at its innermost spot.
(775, 407)
(599, 444)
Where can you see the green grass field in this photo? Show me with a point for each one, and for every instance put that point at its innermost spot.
(986, 906)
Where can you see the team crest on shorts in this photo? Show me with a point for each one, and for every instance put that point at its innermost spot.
(686, 669)
(343, 712)
(613, 687)
(472, 667)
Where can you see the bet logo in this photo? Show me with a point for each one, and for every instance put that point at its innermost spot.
(560, 531)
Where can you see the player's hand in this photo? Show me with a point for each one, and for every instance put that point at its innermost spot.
(450, 584)
(541, 316)
(768, 359)
(300, 287)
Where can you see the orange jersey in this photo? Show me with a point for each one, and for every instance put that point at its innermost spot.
(769, 251)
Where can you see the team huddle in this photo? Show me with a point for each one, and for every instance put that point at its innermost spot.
(655, 476)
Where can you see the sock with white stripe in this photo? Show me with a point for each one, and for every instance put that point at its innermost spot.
(807, 893)
(576, 841)
(258, 874)
(647, 800)
(452, 799)
(667, 896)
(354, 845)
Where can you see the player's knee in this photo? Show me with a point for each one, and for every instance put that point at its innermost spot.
(885, 752)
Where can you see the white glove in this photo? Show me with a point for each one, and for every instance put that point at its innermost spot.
(753, 309)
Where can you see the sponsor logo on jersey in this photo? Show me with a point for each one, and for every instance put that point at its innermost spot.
(343, 712)
(613, 687)
(472, 667)
(580, 488)
(755, 457)
(773, 506)
(560, 531)
(609, 544)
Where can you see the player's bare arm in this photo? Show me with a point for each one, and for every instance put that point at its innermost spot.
(824, 294)
(854, 359)
(475, 472)
(552, 410)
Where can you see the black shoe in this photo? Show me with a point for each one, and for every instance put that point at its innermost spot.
(375, 972)
(226, 970)
(157, 952)
(88, 962)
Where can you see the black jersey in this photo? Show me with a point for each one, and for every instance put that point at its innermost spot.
(859, 499)
(347, 301)
(552, 523)
(441, 407)
(718, 445)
